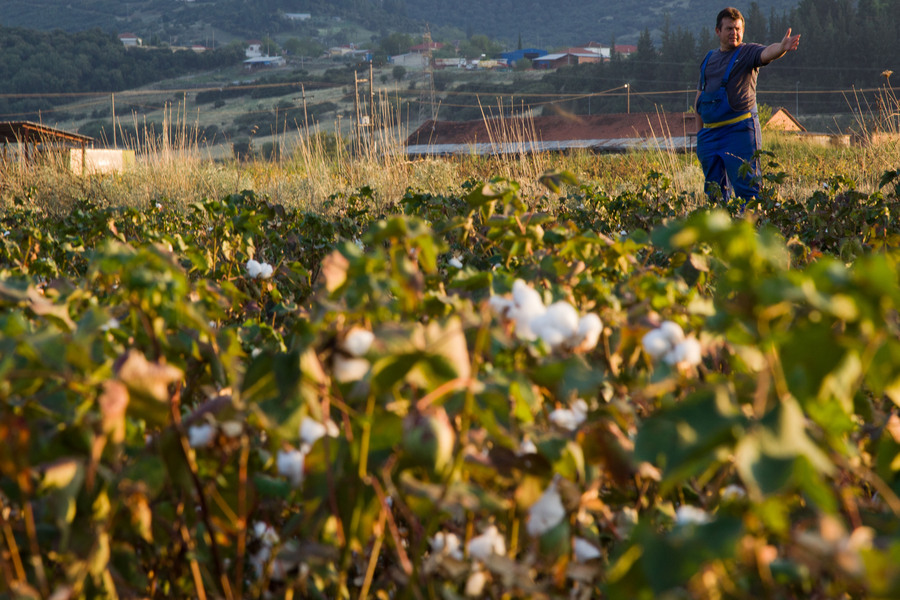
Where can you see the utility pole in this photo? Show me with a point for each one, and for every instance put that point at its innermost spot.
(427, 97)
(113, 103)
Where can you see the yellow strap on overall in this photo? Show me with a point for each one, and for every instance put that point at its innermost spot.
(728, 122)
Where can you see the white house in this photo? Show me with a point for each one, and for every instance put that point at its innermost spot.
(253, 49)
(129, 39)
(297, 16)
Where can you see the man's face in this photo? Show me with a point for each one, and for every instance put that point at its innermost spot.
(730, 34)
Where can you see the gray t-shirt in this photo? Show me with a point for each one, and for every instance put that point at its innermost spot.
(741, 85)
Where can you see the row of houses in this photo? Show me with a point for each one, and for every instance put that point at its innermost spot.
(418, 57)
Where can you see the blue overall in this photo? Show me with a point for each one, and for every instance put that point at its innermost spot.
(727, 140)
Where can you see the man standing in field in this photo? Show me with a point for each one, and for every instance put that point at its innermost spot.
(726, 102)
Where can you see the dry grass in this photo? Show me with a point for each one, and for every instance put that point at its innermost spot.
(317, 161)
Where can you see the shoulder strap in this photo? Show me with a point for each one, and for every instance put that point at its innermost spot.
(730, 65)
(703, 70)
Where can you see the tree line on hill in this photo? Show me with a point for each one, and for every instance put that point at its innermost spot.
(51, 67)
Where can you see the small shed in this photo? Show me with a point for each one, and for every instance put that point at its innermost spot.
(782, 120)
(33, 136)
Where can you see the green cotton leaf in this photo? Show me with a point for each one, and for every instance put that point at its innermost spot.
(33, 300)
(554, 179)
(391, 370)
(64, 474)
(766, 458)
(525, 402)
(496, 189)
(843, 381)
(806, 371)
(688, 437)
(271, 487)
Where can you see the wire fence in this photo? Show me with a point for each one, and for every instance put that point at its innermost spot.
(83, 106)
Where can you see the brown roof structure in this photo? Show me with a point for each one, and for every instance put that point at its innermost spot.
(30, 135)
(602, 133)
(782, 120)
(29, 132)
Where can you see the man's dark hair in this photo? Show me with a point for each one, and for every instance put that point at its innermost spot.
(729, 13)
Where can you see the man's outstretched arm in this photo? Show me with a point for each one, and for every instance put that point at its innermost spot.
(779, 49)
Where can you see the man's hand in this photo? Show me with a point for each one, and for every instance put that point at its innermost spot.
(776, 51)
(790, 42)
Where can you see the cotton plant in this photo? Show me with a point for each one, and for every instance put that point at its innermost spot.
(687, 515)
(268, 540)
(669, 344)
(312, 431)
(201, 436)
(490, 542)
(445, 543)
(584, 551)
(547, 512)
(291, 462)
(349, 362)
(258, 270)
(559, 325)
(570, 419)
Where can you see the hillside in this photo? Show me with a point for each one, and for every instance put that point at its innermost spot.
(533, 22)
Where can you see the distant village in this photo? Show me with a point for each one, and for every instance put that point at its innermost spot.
(420, 56)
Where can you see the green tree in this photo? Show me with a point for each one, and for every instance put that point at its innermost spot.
(396, 43)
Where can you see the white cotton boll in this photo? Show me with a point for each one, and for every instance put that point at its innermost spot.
(733, 492)
(527, 447)
(523, 318)
(265, 533)
(111, 324)
(673, 332)
(231, 429)
(501, 305)
(201, 436)
(687, 353)
(358, 341)
(475, 584)
(557, 324)
(265, 271)
(584, 550)
(527, 298)
(570, 419)
(656, 343)
(290, 465)
(349, 369)
(545, 330)
(311, 431)
(563, 316)
(691, 515)
(546, 513)
(489, 542)
(580, 408)
(455, 263)
(446, 544)
(253, 268)
(587, 333)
